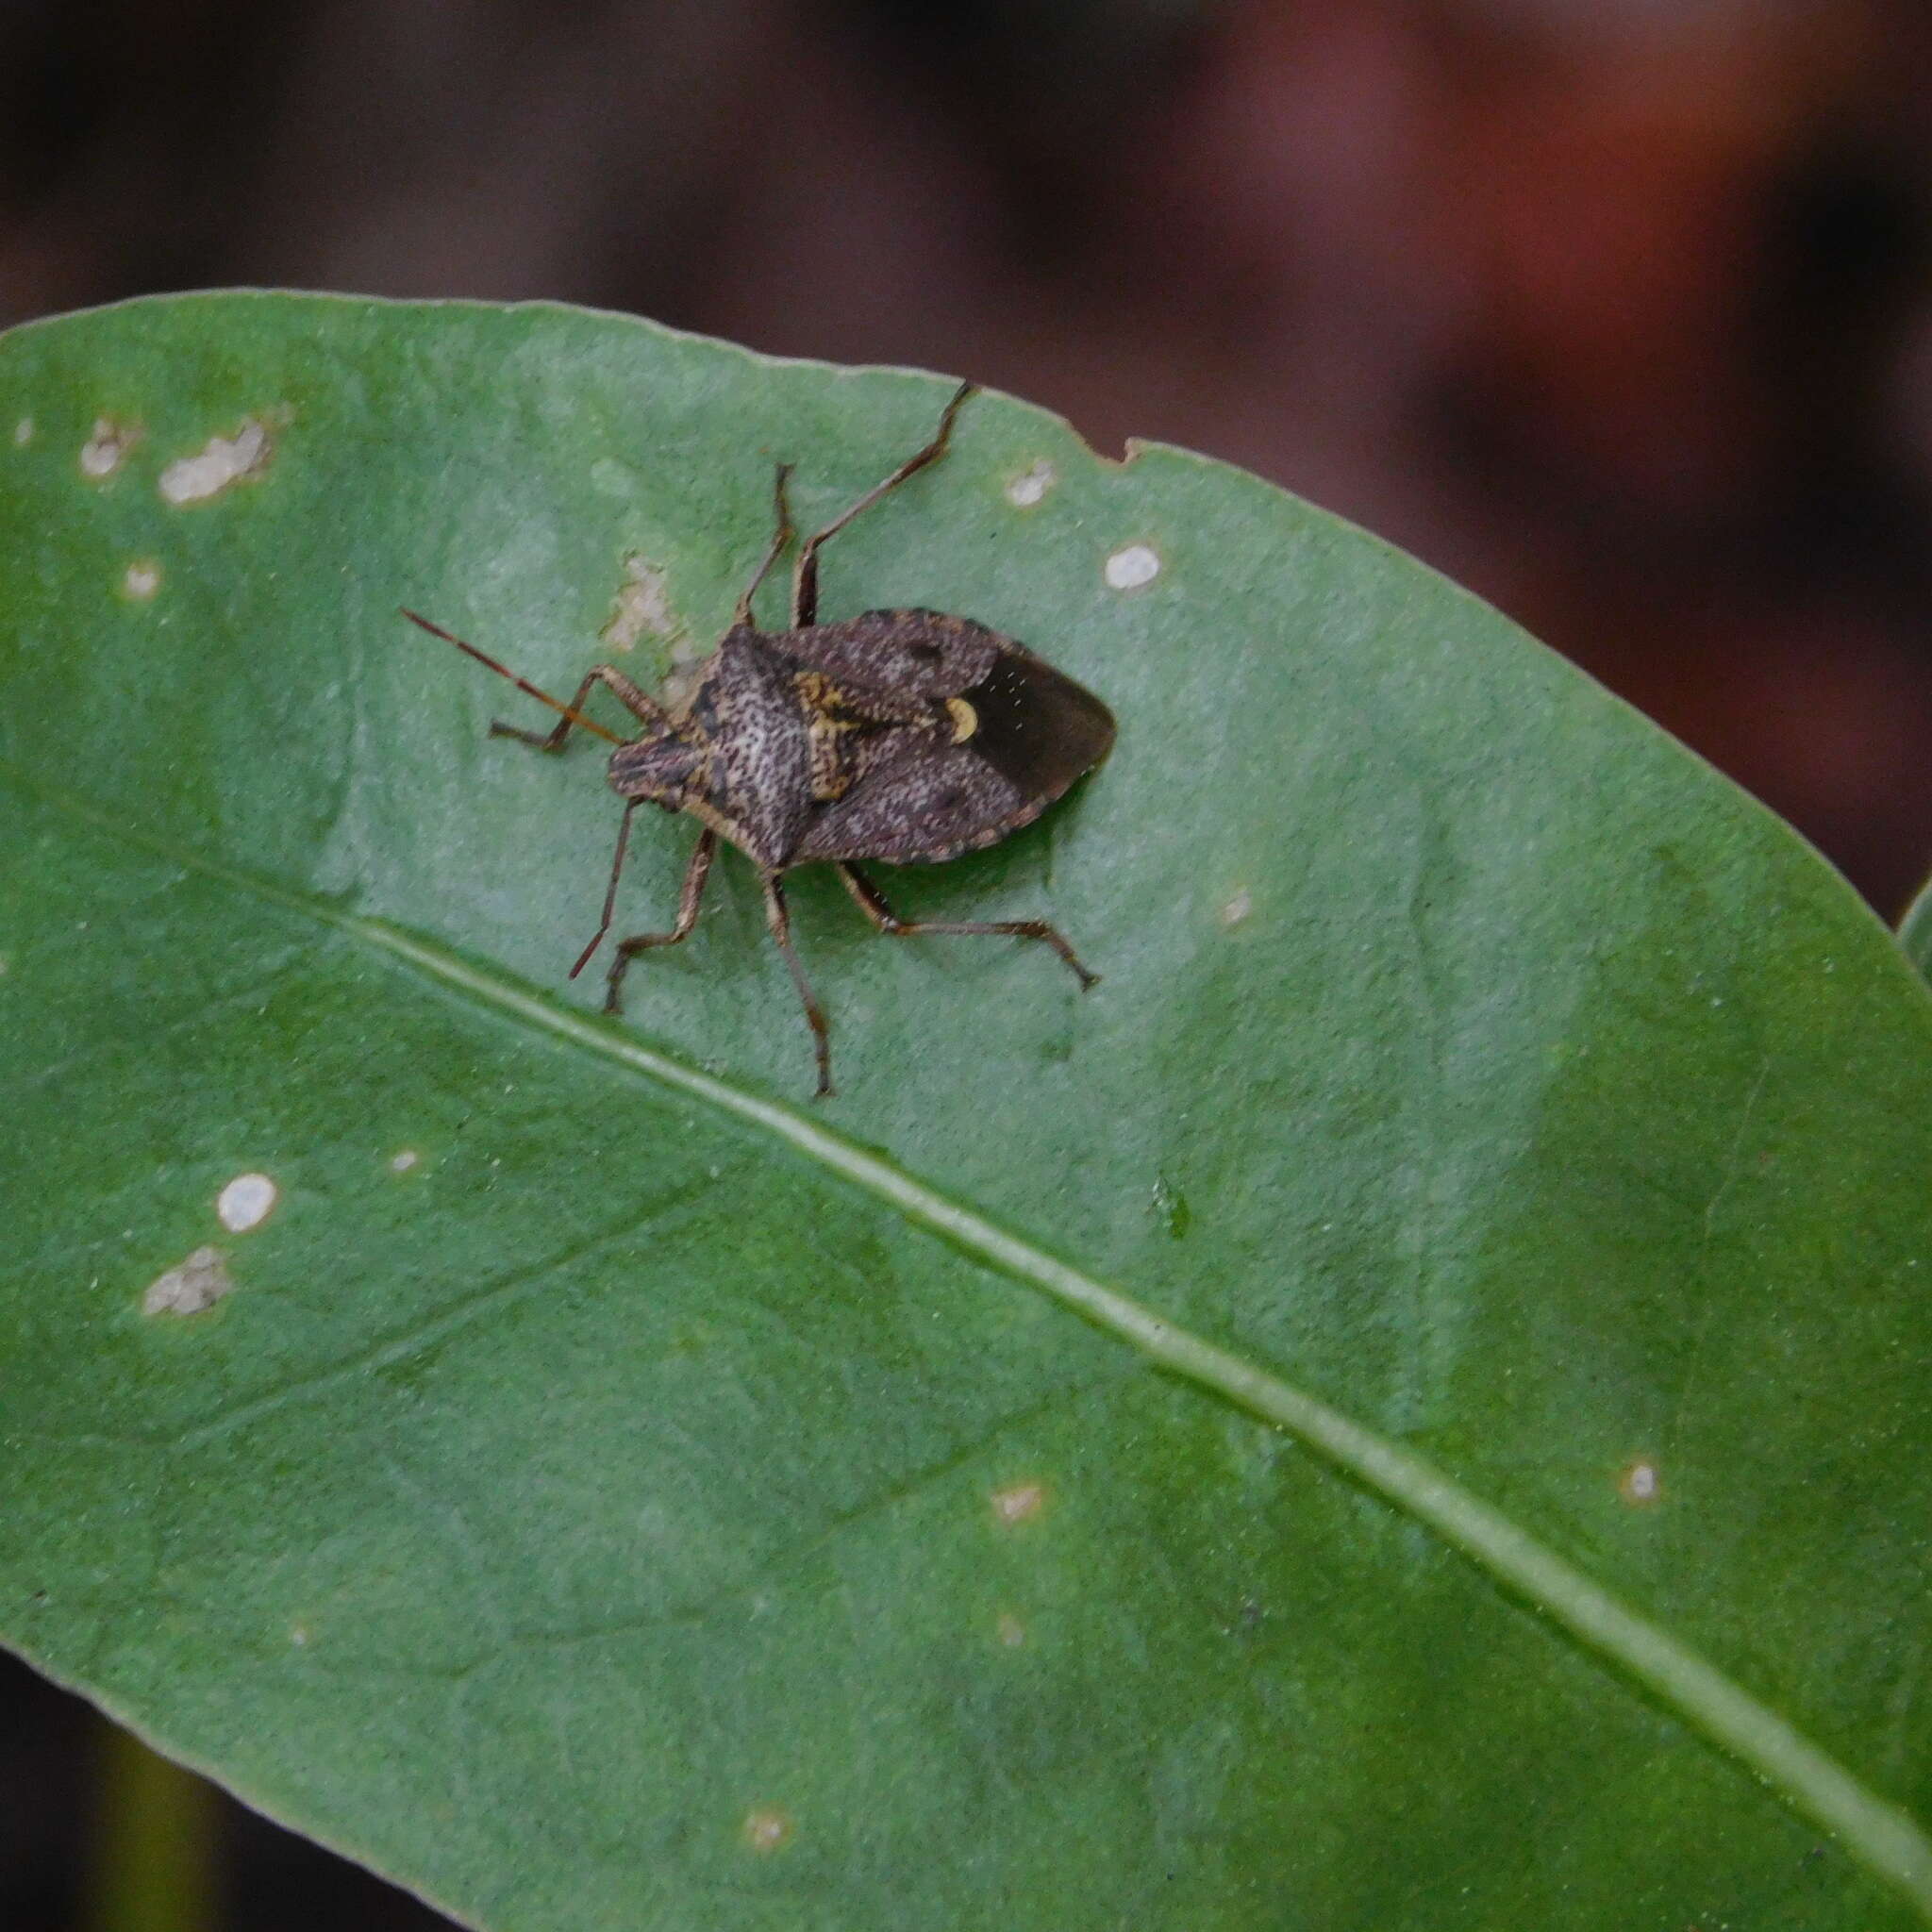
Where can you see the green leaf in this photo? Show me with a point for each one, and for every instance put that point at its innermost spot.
(1915, 931)
(607, 1490)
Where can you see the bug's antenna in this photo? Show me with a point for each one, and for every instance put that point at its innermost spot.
(523, 684)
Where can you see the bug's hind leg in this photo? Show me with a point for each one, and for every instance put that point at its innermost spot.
(695, 875)
(780, 924)
(805, 574)
(893, 927)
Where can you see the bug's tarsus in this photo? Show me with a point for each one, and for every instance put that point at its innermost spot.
(889, 922)
(687, 902)
(781, 536)
(780, 925)
(805, 573)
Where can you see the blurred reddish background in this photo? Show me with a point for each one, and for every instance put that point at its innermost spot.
(1618, 310)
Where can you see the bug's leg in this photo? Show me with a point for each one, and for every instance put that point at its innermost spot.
(554, 738)
(780, 924)
(890, 923)
(694, 877)
(630, 804)
(805, 573)
(631, 695)
(781, 537)
(573, 715)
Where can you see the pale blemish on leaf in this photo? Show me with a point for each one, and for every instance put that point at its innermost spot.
(187, 1289)
(1029, 486)
(298, 1635)
(765, 1829)
(1237, 907)
(102, 454)
(1639, 1483)
(246, 1202)
(1018, 1503)
(1171, 1205)
(403, 1162)
(23, 432)
(1009, 1630)
(1131, 568)
(642, 608)
(223, 460)
(142, 579)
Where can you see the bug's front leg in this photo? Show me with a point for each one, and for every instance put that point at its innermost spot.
(889, 922)
(780, 924)
(631, 695)
(695, 874)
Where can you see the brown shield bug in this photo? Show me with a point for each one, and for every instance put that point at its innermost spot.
(902, 735)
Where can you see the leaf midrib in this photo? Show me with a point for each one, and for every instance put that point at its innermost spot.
(1880, 1836)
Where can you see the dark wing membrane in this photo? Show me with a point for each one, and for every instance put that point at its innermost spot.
(922, 656)
(917, 799)
(1037, 729)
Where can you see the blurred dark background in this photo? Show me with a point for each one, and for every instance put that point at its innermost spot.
(1618, 310)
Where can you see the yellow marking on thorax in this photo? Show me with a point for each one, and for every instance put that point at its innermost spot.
(816, 692)
(965, 719)
(831, 777)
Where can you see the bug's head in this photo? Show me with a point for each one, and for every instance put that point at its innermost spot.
(657, 766)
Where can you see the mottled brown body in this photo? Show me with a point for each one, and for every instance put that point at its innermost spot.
(903, 735)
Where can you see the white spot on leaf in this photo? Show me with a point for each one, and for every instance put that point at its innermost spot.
(1009, 1630)
(765, 1828)
(225, 460)
(1019, 1503)
(143, 579)
(643, 606)
(246, 1202)
(1639, 1483)
(101, 454)
(1238, 906)
(1026, 489)
(23, 432)
(1130, 568)
(195, 1283)
(403, 1162)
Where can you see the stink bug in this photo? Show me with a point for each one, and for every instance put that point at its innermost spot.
(903, 735)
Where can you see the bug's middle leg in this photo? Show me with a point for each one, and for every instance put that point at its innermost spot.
(780, 924)
(889, 922)
(695, 875)
(805, 573)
